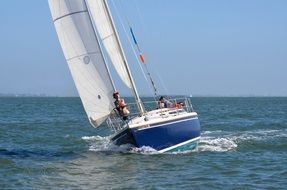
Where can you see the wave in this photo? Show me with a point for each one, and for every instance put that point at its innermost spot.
(104, 144)
(44, 154)
(92, 138)
(210, 141)
(215, 144)
(220, 141)
(144, 150)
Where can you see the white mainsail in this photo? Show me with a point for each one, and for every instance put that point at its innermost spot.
(84, 57)
(108, 36)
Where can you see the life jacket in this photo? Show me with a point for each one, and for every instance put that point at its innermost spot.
(122, 103)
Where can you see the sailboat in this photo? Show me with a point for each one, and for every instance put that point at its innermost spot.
(88, 34)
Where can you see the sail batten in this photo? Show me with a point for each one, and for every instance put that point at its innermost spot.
(69, 15)
(84, 57)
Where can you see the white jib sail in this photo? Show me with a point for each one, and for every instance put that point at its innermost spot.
(104, 27)
(84, 57)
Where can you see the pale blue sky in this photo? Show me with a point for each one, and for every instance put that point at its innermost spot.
(201, 47)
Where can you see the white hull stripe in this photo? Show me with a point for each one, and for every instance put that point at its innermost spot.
(178, 145)
(159, 125)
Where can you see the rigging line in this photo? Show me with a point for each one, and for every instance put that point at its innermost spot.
(143, 26)
(140, 16)
(126, 33)
(131, 44)
(140, 52)
(152, 81)
(142, 23)
(126, 65)
(162, 83)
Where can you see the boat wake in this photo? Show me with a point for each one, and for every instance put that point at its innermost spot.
(103, 144)
(216, 144)
(211, 141)
(220, 141)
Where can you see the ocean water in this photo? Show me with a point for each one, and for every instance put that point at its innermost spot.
(47, 143)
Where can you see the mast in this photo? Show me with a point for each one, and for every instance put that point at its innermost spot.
(134, 90)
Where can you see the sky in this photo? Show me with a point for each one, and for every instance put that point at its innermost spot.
(203, 48)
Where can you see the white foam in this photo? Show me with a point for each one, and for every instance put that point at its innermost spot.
(221, 141)
(91, 138)
(260, 135)
(210, 132)
(213, 144)
(102, 144)
(144, 150)
(110, 147)
(211, 141)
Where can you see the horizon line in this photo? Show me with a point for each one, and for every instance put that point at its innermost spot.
(8, 95)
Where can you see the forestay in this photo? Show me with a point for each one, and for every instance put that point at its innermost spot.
(84, 57)
(107, 34)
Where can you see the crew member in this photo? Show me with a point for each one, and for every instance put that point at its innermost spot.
(121, 107)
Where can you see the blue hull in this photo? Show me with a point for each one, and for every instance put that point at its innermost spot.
(175, 135)
(172, 136)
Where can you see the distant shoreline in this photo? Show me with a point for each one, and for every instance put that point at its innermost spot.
(194, 96)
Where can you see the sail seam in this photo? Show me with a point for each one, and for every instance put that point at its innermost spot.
(100, 46)
(78, 56)
(107, 37)
(69, 15)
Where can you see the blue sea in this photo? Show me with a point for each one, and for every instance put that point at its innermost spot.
(48, 143)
